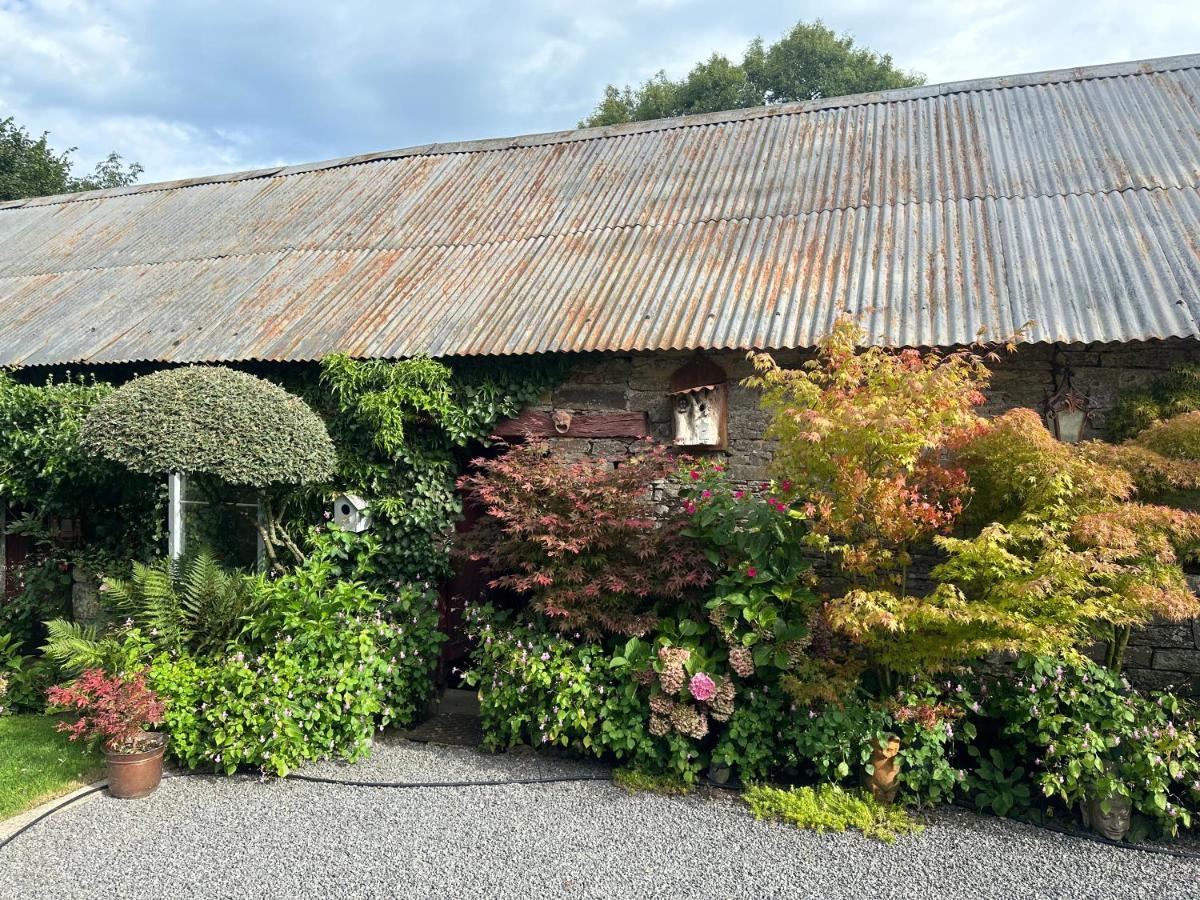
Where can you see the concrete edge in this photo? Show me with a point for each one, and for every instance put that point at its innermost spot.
(9, 827)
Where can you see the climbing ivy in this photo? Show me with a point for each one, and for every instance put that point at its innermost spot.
(402, 429)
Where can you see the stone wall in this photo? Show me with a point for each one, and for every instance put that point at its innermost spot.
(1158, 656)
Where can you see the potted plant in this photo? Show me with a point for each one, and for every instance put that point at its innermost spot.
(115, 711)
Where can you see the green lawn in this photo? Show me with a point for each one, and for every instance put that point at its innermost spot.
(37, 763)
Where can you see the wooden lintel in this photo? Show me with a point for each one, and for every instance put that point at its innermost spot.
(540, 424)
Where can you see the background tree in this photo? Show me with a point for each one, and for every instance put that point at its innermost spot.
(30, 167)
(809, 61)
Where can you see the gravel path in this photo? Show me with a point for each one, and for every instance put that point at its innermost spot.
(237, 837)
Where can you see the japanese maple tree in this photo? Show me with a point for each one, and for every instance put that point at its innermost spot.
(113, 710)
(583, 539)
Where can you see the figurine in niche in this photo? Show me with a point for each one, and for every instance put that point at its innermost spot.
(699, 403)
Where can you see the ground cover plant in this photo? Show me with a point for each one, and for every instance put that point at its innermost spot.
(829, 807)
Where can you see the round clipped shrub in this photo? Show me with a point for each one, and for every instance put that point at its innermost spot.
(214, 420)
(1176, 438)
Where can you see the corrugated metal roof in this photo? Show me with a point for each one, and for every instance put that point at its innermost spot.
(1068, 198)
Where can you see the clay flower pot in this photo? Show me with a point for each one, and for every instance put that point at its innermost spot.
(882, 775)
(133, 775)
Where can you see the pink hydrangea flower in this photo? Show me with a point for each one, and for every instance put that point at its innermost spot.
(702, 687)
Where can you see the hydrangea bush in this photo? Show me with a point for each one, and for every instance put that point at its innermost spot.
(542, 688)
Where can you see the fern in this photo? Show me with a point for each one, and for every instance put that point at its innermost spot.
(75, 647)
(192, 605)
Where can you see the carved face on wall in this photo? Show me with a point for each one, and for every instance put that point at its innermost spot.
(699, 417)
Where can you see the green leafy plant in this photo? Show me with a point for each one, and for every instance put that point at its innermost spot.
(1177, 391)
(311, 677)
(1080, 731)
(762, 600)
(75, 508)
(828, 807)
(25, 678)
(402, 430)
(998, 783)
(541, 688)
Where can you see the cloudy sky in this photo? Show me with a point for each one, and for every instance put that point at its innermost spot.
(190, 88)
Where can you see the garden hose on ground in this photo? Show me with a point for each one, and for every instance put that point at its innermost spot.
(550, 779)
(316, 779)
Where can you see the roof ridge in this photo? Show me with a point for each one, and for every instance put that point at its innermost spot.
(1051, 76)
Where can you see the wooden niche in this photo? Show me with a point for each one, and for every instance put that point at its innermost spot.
(700, 405)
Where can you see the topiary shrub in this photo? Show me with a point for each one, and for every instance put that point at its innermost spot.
(214, 420)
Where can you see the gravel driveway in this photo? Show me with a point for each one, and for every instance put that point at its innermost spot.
(208, 837)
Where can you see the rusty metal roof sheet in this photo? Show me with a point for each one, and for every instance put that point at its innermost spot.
(1066, 198)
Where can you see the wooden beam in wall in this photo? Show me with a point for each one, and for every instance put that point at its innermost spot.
(540, 424)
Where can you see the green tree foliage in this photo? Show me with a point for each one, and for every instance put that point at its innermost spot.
(48, 478)
(1061, 543)
(30, 167)
(212, 420)
(808, 62)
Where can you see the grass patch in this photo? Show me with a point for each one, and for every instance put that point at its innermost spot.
(636, 781)
(38, 763)
(830, 808)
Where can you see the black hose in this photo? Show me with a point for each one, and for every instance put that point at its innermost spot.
(315, 779)
(24, 828)
(549, 779)
(556, 779)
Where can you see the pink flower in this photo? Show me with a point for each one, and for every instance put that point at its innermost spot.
(702, 687)
(751, 572)
(695, 475)
(706, 494)
(690, 507)
(786, 486)
(738, 495)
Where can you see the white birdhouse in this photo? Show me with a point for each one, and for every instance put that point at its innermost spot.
(699, 400)
(351, 512)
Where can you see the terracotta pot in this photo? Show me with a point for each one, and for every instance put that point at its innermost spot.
(133, 775)
(883, 778)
